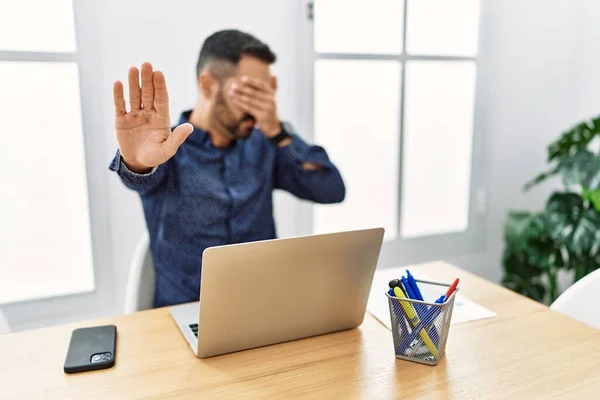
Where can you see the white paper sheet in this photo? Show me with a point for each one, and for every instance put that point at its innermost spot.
(464, 309)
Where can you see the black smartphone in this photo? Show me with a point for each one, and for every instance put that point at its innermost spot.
(91, 349)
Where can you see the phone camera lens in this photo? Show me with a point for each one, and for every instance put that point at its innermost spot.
(102, 357)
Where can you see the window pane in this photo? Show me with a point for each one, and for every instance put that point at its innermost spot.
(45, 245)
(438, 133)
(37, 25)
(356, 119)
(442, 27)
(356, 26)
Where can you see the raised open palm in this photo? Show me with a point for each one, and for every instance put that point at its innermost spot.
(144, 133)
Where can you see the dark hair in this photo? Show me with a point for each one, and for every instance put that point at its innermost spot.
(229, 46)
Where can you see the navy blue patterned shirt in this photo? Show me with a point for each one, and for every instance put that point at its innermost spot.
(206, 196)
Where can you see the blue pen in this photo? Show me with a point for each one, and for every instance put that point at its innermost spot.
(419, 308)
(410, 293)
(429, 319)
(413, 283)
(408, 289)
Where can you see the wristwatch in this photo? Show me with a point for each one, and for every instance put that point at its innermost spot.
(286, 132)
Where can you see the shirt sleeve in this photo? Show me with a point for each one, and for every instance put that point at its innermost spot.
(324, 185)
(141, 183)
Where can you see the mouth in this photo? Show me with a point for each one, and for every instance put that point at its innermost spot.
(247, 124)
(248, 119)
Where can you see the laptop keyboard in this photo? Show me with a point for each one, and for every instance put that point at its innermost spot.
(194, 328)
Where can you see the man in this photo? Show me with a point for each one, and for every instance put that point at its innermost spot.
(209, 181)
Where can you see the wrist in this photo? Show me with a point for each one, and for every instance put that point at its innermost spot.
(284, 136)
(135, 166)
(285, 142)
(271, 130)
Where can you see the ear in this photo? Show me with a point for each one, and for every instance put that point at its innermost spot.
(208, 85)
(274, 82)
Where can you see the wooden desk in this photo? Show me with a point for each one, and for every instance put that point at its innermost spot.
(527, 351)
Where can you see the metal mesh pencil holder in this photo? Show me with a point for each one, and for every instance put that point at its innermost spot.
(420, 328)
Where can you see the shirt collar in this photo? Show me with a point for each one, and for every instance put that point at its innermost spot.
(198, 136)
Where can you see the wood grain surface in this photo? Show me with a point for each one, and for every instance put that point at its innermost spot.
(527, 351)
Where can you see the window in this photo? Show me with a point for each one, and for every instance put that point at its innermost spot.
(394, 100)
(45, 235)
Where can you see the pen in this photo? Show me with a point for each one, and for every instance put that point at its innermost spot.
(413, 285)
(435, 311)
(396, 283)
(429, 319)
(399, 315)
(408, 289)
(414, 320)
(420, 309)
(452, 288)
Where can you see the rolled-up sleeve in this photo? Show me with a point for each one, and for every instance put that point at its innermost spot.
(324, 185)
(141, 183)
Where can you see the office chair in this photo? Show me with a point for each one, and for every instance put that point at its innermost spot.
(141, 282)
(578, 301)
(4, 328)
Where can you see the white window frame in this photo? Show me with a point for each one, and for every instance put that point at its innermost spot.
(404, 250)
(34, 313)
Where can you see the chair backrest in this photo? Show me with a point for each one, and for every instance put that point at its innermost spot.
(579, 300)
(141, 282)
(4, 328)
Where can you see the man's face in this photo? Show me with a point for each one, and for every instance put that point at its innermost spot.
(237, 122)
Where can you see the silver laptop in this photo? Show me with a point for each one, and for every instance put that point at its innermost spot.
(260, 293)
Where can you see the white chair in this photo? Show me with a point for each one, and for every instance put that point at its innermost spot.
(141, 282)
(579, 300)
(4, 328)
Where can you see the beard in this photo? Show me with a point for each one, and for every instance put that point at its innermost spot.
(243, 128)
(238, 128)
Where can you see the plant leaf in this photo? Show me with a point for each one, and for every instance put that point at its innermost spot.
(570, 142)
(516, 228)
(574, 139)
(593, 196)
(517, 263)
(572, 223)
(594, 250)
(540, 178)
(579, 168)
(524, 225)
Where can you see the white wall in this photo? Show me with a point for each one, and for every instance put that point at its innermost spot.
(542, 74)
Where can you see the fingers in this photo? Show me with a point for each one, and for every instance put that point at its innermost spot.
(252, 107)
(135, 93)
(258, 84)
(249, 91)
(161, 95)
(176, 139)
(147, 87)
(254, 101)
(119, 99)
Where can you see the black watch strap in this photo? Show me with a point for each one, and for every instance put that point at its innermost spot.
(284, 133)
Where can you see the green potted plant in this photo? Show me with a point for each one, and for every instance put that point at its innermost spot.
(565, 235)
